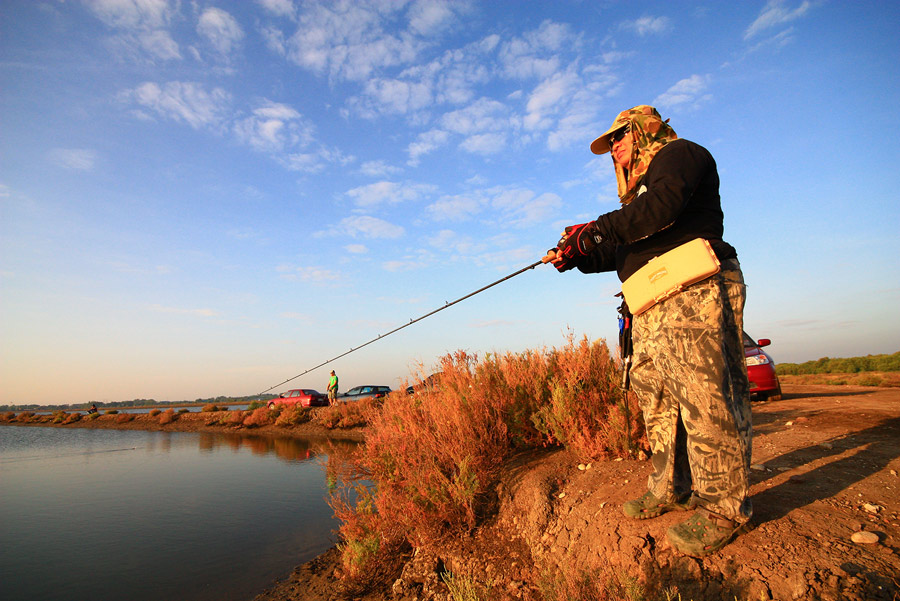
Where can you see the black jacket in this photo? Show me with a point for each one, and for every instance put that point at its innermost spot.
(681, 202)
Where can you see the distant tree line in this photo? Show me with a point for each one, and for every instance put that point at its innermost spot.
(219, 400)
(853, 365)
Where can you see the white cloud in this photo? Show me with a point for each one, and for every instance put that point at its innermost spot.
(548, 96)
(348, 41)
(139, 25)
(274, 127)
(356, 249)
(483, 115)
(648, 25)
(522, 207)
(455, 208)
(220, 29)
(188, 101)
(397, 96)
(159, 43)
(426, 142)
(534, 53)
(368, 227)
(281, 8)
(429, 16)
(687, 91)
(378, 168)
(774, 14)
(132, 14)
(484, 144)
(76, 159)
(387, 192)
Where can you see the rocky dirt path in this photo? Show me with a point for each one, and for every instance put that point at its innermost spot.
(826, 517)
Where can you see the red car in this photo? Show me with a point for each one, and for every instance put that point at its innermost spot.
(764, 383)
(305, 397)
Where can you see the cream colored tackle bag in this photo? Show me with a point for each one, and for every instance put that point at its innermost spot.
(669, 273)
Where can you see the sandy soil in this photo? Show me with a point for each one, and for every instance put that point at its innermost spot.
(825, 467)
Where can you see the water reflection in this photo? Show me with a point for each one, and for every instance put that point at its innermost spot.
(166, 514)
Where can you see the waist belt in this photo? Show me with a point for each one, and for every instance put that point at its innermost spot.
(669, 273)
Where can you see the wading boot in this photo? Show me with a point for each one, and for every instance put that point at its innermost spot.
(648, 506)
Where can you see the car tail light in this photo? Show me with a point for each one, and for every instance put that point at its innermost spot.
(757, 360)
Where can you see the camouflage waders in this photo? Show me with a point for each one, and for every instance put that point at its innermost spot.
(691, 381)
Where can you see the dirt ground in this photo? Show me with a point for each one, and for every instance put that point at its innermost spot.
(825, 468)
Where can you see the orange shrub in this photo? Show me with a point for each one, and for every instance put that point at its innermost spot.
(72, 418)
(124, 418)
(210, 408)
(434, 454)
(293, 416)
(155, 412)
(167, 417)
(235, 418)
(25, 416)
(257, 418)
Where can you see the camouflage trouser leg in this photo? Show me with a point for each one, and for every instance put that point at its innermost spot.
(691, 381)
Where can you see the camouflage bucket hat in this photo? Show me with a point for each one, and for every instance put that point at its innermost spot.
(601, 144)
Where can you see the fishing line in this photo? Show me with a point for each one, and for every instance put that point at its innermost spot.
(411, 321)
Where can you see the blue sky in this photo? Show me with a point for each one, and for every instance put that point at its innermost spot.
(207, 198)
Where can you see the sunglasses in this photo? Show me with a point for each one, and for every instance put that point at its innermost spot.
(617, 137)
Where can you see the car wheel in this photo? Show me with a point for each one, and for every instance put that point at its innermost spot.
(271, 405)
(775, 395)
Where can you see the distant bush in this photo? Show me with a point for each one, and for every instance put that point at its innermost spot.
(92, 416)
(167, 417)
(124, 418)
(111, 411)
(258, 417)
(210, 408)
(346, 415)
(25, 417)
(256, 405)
(854, 365)
(235, 418)
(155, 412)
(8, 416)
(72, 418)
(293, 416)
(183, 410)
(59, 417)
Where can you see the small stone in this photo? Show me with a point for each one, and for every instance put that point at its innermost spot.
(589, 466)
(562, 495)
(827, 445)
(789, 423)
(893, 472)
(871, 508)
(582, 466)
(864, 538)
(617, 459)
(784, 469)
(757, 467)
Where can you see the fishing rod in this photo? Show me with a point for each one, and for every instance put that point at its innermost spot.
(411, 321)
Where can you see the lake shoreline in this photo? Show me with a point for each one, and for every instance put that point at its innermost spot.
(198, 422)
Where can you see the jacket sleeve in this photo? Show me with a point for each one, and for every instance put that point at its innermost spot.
(671, 179)
(603, 258)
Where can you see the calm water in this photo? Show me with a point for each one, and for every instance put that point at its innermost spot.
(110, 515)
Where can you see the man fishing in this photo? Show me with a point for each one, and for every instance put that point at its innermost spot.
(688, 366)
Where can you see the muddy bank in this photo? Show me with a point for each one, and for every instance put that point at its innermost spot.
(199, 422)
(825, 468)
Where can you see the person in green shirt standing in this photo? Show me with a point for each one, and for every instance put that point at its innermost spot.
(332, 388)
